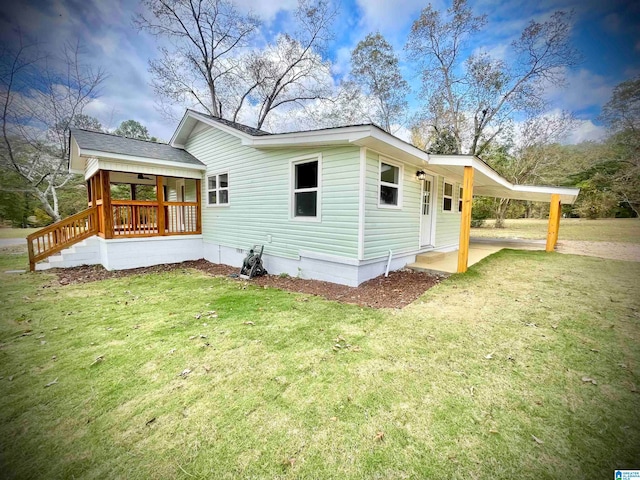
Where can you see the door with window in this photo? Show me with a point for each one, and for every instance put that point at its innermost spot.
(426, 211)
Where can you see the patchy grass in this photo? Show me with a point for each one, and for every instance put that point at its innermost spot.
(6, 232)
(281, 385)
(600, 230)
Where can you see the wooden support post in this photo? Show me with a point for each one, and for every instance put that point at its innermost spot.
(554, 223)
(199, 207)
(465, 220)
(161, 200)
(107, 213)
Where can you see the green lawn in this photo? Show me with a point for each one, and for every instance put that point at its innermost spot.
(6, 232)
(600, 230)
(459, 384)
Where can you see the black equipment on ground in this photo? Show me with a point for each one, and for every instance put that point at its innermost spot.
(252, 264)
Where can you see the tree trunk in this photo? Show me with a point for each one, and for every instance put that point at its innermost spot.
(501, 212)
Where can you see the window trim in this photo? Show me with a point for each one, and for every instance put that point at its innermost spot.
(399, 185)
(313, 157)
(217, 189)
(460, 197)
(445, 196)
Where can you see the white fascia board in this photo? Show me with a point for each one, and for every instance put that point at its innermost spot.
(332, 136)
(207, 121)
(220, 126)
(144, 160)
(400, 145)
(563, 191)
(178, 130)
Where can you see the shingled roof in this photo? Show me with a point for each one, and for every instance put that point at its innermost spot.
(108, 143)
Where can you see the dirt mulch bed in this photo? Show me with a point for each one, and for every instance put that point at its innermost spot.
(395, 291)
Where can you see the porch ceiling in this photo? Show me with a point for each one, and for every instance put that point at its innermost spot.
(487, 182)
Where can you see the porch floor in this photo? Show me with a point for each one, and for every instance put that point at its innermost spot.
(479, 248)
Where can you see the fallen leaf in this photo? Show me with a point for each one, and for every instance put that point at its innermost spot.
(554, 326)
(207, 368)
(185, 372)
(54, 358)
(589, 379)
(249, 323)
(531, 325)
(493, 431)
(98, 359)
(356, 349)
(489, 357)
(379, 436)
(193, 337)
(51, 383)
(537, 440)
(10, 378)
(288, 462)
(198, 316)
(333, 419)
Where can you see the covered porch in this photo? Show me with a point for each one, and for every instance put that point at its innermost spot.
(130, 205)
(478, 178)
(137, 190)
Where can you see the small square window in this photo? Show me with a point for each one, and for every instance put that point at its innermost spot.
(218, 189)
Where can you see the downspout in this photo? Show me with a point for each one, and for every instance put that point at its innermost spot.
(386, 274)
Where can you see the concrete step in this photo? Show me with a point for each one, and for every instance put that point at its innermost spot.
(430, 257)
(85, 252)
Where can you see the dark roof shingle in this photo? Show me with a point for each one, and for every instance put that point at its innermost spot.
(108, 143)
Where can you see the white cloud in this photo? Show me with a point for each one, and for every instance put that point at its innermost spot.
(266, 10)
(585, 131)
(390, 17)
(584, 89)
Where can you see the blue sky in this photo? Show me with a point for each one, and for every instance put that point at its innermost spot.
(606, 33)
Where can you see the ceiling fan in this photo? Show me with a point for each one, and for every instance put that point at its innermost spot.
(142, 177)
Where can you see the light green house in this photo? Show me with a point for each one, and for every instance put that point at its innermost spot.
(339, 204)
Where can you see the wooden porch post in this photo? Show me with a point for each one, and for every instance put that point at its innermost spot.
(199, 207)
(107, 213)
(161, 200)
(465, 220)
(554, 222)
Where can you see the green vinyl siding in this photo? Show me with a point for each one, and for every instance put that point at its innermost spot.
(260, 195)
(447, 223)
(396, 229)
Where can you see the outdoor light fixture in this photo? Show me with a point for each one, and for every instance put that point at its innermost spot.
(421, 175)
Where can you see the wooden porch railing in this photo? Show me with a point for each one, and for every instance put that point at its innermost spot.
(139, 218)
(60, 235)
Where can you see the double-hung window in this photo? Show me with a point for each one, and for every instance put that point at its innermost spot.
(447, 197)
(218, 189)
(390, 185)
(306, 188)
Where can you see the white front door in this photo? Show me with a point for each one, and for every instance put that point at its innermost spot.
(426, 210)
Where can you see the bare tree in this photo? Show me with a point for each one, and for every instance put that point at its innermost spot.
(290, 72)
(206, 36)
(212, 66)
(532, 157)
(477, 96)
(42, 96)
(375, 69)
